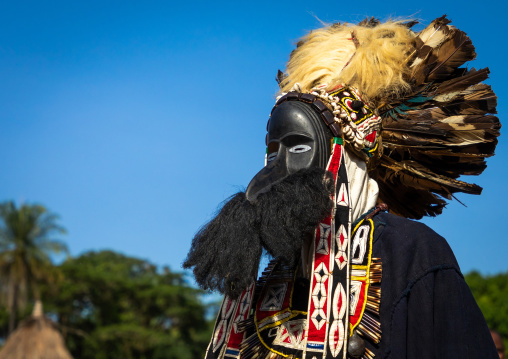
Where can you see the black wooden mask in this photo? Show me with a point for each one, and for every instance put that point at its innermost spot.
(297, 139)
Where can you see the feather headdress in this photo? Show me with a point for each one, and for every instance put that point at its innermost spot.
(437, 117)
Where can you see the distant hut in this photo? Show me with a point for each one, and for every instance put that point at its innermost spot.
(37, 337)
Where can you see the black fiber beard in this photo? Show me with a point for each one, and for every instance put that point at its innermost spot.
(225, 252)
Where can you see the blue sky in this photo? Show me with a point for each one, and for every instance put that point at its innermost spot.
(134, 120)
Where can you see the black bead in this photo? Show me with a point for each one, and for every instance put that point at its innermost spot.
(281, 100)
(319, 106)
(336, 130)
(356, 105)
(307, 97)
(356, 346)
(328, 117)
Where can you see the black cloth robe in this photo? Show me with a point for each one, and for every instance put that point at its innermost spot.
(427, 309)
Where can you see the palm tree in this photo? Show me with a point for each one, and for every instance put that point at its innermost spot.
(26, 245)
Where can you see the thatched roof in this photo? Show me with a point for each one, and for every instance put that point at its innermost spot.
(35, 338)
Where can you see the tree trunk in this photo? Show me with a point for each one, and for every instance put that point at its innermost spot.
(13, 310)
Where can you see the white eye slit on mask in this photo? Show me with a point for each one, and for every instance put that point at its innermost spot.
(271, 157)
(299, 149)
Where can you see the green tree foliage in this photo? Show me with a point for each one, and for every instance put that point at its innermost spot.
(26, 243)
(491, 294)
(113, 306)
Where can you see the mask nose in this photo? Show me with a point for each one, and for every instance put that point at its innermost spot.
(271, 174)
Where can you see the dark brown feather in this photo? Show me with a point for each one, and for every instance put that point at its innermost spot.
(459, 83)
(454, 52)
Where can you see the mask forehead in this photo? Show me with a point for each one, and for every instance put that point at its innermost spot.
(303, 139)
(290, 117)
